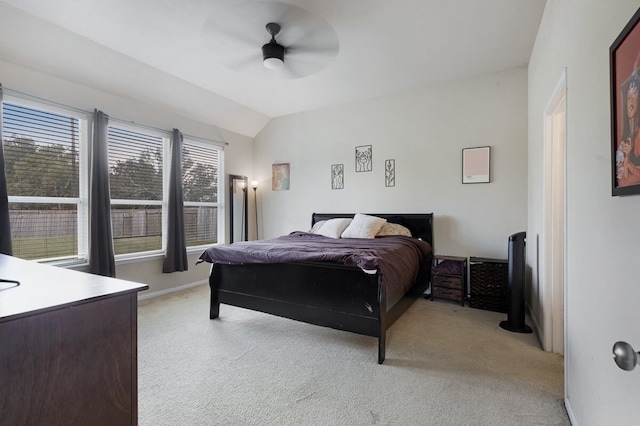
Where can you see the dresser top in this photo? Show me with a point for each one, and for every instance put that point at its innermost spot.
(44, 288)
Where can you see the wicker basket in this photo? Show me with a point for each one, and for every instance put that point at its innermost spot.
(488, 280)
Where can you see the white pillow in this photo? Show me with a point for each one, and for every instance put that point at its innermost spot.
(333, 227)
(393, 229)
(316, 226)
(363, 226)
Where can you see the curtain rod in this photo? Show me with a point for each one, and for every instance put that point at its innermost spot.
(18, 93)
(199, 138)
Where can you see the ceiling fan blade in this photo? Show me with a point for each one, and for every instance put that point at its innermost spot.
(325, 51)
(317, 34)
(243, 62)
(215, 32)
(318, 56)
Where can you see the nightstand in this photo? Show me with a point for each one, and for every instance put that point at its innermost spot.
(449, 278)
(489, 284)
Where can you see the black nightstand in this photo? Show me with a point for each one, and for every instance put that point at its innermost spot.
(489, 284)
(449, 278)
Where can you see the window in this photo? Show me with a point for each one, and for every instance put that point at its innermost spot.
(136, 183)
(201, 188)
(138, 167)
(45, 166)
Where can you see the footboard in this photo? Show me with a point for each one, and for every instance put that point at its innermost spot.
(330, 295)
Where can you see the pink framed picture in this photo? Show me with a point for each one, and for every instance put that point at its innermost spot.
(476, 164)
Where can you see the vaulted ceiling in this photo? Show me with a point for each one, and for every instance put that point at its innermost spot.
(204, 57)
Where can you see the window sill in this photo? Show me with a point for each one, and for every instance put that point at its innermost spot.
(122, 259)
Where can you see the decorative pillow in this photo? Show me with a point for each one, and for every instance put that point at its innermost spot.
(364, 226)
(333, 227)
(316, 226)
(393, 229)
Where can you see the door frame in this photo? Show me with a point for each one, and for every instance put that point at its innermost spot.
(555, 165)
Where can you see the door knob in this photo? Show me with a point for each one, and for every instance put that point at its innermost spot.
(624, 356)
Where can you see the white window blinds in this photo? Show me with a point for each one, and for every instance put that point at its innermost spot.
(43, 153)
(201, 187)
(136, 185)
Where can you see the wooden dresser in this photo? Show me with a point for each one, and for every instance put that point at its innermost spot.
(68, 347)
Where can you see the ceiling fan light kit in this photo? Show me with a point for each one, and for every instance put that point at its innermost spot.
(272, 52)
(273, 63)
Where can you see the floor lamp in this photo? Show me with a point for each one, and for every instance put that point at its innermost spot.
(254, 185)
(243, 186)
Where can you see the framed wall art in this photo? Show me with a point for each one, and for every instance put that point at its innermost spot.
(389, 173)
(476, 164)
(337, 176)
(624, 63)
(280, 177)
(364, 162)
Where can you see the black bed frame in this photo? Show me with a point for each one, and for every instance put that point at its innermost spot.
(321, 293)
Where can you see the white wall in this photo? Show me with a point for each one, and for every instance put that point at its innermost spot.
(602, 288)
(237, 153)
(424, 131)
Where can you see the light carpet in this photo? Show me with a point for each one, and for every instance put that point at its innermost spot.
(445, 365)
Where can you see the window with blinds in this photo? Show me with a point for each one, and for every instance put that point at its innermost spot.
(136, 185)
(46, 164)
(44, 153)
(201, 188)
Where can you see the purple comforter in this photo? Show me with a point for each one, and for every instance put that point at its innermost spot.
(397, 259)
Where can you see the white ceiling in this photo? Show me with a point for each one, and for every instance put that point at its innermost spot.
(384, 47)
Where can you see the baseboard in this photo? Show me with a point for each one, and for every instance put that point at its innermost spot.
(536, 327)
(144, 296)
(567, 406)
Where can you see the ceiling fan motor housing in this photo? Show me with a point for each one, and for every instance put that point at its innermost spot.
(273, 50)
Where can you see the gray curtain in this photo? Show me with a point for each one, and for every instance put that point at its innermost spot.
(101, 257)
(5, 226)
(175, 258)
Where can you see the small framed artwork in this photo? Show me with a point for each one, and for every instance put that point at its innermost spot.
(280, 177)
(476, 164)
(337, 176)
(364, 160)
(624, 63)
(389, 173)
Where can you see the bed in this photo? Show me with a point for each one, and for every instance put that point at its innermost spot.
(340, 291)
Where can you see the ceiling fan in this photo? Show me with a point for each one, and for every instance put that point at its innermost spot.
(305, 43)
(272, 52)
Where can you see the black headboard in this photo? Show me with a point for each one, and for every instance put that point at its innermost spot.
(420, 224)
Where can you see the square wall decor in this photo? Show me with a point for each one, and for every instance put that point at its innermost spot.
(476, 164)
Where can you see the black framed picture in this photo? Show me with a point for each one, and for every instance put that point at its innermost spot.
(624, 62)
(389, 173)
(337, 176)
(364, 161)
